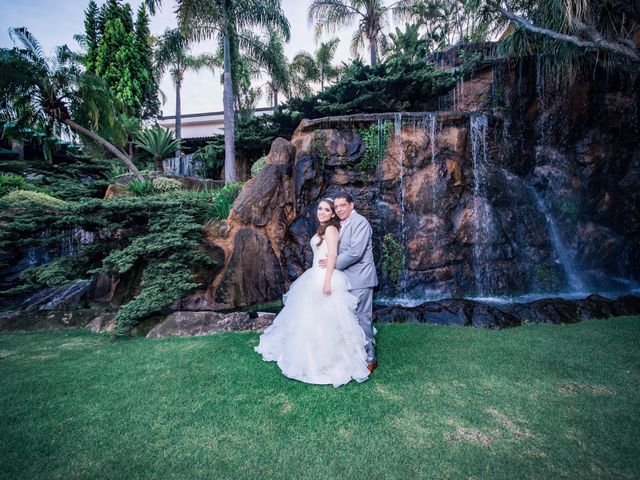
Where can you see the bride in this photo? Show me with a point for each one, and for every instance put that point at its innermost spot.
(316, 337)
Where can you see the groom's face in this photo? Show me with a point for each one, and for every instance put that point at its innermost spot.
(343, 208)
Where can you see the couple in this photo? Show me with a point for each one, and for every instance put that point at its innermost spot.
(323, 335)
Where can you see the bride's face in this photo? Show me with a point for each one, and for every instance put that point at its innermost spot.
(324, 212)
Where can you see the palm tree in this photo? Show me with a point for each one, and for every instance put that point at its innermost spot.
(159, 142)
(56, 88)
(317, 67)
(268, 55)
(408, 45)
(223, 20)
(172, 55)
(607, 30)
(371, 16)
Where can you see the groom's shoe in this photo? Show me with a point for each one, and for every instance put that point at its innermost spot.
(372, 366)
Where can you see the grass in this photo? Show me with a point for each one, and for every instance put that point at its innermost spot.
(536, 401)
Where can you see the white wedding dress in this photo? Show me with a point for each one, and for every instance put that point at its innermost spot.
(316, 338)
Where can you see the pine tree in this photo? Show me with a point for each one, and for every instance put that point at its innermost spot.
(91, 33)
(149, 84)
(117, 64)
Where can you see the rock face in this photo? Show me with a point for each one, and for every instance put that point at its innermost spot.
(536, 191)
(510, 186)
(253, 237)
(460, 312)
(19, 320)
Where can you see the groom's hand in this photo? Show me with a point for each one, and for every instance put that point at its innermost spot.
(323, 263)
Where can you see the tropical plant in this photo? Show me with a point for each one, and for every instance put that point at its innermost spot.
(606, 29)
(172, 55)
(222, 201)
(371, 15)
(451, 22)
(140, 188)
(211, 156)
(159, 142)
(268, 55)
(317, 67)
(407, 45)
(56, 89)
(224, 20)
(572, 36)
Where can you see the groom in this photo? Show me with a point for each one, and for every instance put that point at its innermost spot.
(355, 259)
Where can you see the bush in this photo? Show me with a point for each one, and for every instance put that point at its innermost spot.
(30, 196)
(161, 237)
(140, 188)
(10, 182)
(257, 167)
(392, 258)
(166, 184)
(222, 200)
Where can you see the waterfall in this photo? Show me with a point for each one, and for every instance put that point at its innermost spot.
(560, 251)
(38, 255)
(397, 123)
(184, 166)
(74, 240)
(540, 92)
(481, 209)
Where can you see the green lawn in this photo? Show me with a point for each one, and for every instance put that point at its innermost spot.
(535, 401)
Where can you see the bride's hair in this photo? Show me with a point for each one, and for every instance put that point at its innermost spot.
(335, 221)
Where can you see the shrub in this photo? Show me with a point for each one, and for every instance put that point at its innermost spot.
(166, 184)
(167, 250)
(140, 188)
(375, 139)
(257, 167)
(30, 196)
(392, 258)
(223, 199)
(10, 182)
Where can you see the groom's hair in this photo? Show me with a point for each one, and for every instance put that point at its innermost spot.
(347, 196)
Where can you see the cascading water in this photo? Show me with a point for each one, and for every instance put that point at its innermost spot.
(397, 123)
(74, 240)
(576, 283)
(184, 166)
(482, 214)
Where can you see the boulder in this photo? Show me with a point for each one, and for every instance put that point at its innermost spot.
(183, 324)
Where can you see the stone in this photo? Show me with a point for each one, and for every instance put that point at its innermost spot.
(253, 273)
(263, 321)
(181, 324)
(104, 322)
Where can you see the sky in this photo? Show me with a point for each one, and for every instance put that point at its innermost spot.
(55, 22)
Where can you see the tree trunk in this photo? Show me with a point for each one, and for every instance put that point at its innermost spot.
(275, 99)
(373, 47)
(101, 141)
(178, 116)
(229, 120)
(157, 160)
(18, 146)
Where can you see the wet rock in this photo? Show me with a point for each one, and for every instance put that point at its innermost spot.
(461, 312)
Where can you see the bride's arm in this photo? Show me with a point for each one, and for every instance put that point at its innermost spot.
(331, 236)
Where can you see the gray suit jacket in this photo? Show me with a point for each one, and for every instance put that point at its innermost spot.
(355, 252)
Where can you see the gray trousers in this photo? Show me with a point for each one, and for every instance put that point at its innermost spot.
(364, 312)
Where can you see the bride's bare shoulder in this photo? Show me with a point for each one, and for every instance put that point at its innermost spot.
(332, 232)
